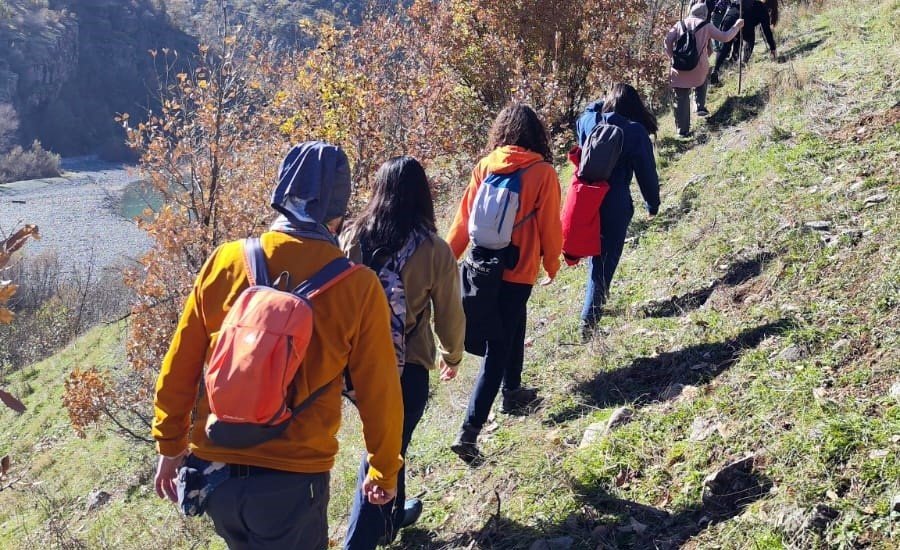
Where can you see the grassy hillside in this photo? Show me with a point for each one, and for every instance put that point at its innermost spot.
(755, 316)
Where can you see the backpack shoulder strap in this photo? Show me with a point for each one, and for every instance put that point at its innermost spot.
(295, 412)
(528, 168)
(255, 262)
(405, 253)
(333, 272)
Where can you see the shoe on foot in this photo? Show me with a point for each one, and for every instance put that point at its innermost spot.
(465, 445)
(587, 333)
(714, 78)
(517, 400)
(686, 135)
(702, 112)
(412, 509)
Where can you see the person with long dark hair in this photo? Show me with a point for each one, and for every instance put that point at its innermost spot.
(622, 107)
(398, 227)
(518, 157)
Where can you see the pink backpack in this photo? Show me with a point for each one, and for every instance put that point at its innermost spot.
(261, 346)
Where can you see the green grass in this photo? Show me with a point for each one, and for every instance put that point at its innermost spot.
(44, 499)
(817, 135)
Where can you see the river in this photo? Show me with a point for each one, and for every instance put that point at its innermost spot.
(85, 216)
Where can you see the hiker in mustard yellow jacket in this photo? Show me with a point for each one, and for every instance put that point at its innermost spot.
(520, 152)
(275, 494)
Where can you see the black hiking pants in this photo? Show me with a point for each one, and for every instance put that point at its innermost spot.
(260, 509)
(683, 106)
(504, 356)
(728, 48)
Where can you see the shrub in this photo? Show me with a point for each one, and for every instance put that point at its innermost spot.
(53, 306)
(36, 162)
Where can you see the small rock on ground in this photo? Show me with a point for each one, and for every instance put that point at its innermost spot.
(702, 428)
(619, 417)
(877, 198)
(97, 499)
(592, 434)
(819, 225)
(791, 354)
(841, 345)
(895, 390)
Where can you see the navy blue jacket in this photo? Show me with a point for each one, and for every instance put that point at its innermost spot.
(587, 121)
(636, 160)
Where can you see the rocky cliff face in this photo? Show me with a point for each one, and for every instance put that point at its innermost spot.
(38, 54)
(71, 66)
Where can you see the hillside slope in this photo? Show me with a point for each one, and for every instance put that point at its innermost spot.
(755, 316)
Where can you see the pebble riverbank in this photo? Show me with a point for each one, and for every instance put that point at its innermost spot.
(78, 214)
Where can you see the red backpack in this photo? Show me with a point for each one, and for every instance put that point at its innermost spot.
(581, 215)
(250, 374)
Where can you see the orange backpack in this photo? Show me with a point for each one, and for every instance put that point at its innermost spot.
(250, 375)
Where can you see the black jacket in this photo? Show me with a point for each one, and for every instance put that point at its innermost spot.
(756, 14)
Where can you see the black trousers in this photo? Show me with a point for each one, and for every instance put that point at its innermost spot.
(275, 510)
(728, 49)
(504, 356)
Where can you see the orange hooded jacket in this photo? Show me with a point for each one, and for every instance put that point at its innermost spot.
(541, 235)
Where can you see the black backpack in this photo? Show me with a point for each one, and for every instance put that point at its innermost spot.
(686, 53)
(600, 152)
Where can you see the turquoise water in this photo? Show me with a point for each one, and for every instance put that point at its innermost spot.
(138, 197)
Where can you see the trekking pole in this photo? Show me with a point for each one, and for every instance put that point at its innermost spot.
(740, 47)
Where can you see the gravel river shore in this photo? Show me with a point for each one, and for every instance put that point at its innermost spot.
(81, 215)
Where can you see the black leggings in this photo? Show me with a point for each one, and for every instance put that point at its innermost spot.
(728, 48)
(370, 522)
(502, 363)
(749, 36)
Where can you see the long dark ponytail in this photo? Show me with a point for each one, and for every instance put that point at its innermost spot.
(624, 100)
(401, 202)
